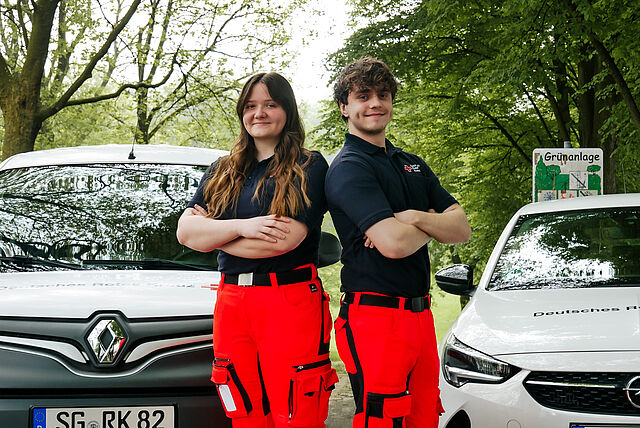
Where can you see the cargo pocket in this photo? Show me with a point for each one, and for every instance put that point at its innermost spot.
(309, 390)
(342, 343)
(233, 395)
(387, 410)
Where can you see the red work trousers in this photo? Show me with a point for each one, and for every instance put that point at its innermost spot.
(392, 360)
(271, 354)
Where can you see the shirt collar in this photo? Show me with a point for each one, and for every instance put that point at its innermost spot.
(365, 146)
(262, 163)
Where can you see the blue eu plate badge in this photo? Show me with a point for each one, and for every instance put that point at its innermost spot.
(39, 418)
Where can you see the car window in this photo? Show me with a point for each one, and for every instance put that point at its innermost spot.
(595, 248)
(77, 213)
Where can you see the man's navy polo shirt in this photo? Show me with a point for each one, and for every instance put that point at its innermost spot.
(248, 207)
(366, 184)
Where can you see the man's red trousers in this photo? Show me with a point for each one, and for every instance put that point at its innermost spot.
(392, 361)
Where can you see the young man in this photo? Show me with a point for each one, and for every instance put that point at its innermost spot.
(386, 204)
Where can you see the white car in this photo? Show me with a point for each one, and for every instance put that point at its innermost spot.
(551, 336)
(105, 319)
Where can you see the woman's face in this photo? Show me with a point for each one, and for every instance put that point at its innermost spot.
(263, 118)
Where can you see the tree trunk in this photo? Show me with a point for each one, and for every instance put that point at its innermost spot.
(594, 112)
(586, 104)
(563, 101)
(610, 164)
(20, 95)
(21, 120)
(142, 126)
(604, 109)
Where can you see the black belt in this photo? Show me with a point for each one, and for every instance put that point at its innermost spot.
(414, 304)
(264, 279)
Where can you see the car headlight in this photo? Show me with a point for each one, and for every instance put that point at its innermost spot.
(462, 364)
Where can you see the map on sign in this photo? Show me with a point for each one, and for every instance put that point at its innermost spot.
(566, 173)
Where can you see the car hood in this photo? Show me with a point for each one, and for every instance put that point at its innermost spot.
(135, 293)
(551, 321)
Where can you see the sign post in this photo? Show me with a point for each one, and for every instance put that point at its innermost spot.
(566, 173)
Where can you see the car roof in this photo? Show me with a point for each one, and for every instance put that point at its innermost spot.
(114, 153)
(582, 203)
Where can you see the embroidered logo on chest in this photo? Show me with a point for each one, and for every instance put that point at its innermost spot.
(412, 168)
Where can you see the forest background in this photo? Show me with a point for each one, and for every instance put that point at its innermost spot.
(483, 83)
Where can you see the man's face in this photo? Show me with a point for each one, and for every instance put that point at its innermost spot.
(368, 111)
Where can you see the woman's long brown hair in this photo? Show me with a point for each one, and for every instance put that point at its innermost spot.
(223, 187)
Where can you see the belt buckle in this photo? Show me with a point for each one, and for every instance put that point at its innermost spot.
(245, 279)
(417, 304)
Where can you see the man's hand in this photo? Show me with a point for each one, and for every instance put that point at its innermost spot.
(449, 227)
(410, 216)
(368, 243)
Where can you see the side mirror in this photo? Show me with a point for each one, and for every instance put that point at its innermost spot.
(456, 279)
(330, 249)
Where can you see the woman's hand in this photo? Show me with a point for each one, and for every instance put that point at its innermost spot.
(269, 228)
(198, 210)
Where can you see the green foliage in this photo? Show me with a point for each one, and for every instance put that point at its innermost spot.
(485, 83)
(175, 62)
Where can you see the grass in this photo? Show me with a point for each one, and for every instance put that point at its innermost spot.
(446, 307)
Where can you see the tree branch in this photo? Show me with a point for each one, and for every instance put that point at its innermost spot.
(506, 133)
(61, 53)
(192, 102)
(38, 47)
(22, 25)
(612, 67)
(174, 113)
(555, 107)
(539, 114)
(163, 38)
(53, 110)
(143, 48)
(63, 101)
(627, 96)
(211, 46)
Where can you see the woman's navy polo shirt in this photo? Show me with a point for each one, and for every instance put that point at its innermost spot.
(366, 184)
(247, 207)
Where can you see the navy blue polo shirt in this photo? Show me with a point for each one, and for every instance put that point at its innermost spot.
(366, 184)
(247, 207)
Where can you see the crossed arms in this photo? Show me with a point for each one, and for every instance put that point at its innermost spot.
(407, 231)
(252, 238)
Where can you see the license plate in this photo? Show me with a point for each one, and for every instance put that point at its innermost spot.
(103, 417)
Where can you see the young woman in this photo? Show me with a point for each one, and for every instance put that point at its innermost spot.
(262, 207)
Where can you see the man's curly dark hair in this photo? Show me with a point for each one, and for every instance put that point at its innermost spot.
(367, 72)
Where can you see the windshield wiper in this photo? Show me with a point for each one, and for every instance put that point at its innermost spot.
(38, 261)
(149, 264)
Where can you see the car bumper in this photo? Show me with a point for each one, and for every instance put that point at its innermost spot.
(509, 405)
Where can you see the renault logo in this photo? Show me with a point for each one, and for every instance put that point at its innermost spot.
(106, 340)
(633, 391)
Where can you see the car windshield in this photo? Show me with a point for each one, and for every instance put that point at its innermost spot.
(594, 248)
(95, 217)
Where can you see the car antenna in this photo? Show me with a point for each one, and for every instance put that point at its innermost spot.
(131, 154)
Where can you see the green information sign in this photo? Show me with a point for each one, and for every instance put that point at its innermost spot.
(566, 173)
